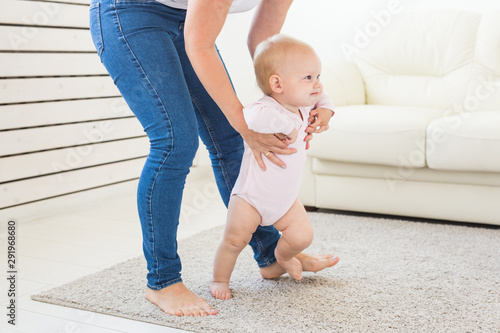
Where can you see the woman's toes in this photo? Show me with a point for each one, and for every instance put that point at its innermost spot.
(207, 310)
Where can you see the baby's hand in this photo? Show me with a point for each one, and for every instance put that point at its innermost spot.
(318, 120)
(292, 136)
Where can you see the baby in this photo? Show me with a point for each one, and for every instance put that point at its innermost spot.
(288, 73)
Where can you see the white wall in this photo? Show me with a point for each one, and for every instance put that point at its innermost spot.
(327, 25)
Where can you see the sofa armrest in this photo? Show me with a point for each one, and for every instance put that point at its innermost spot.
(343, 82)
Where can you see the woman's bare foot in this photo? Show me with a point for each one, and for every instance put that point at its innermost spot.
(309, 264)
(293, 267)
(178, 300)
(220, 290)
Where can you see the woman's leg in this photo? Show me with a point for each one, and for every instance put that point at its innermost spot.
(139, 54)
(225, 147)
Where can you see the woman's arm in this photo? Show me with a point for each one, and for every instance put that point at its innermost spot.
(204, 21)
(268, 21)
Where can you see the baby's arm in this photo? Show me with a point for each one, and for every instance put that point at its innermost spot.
(319, 117)
(324, 102)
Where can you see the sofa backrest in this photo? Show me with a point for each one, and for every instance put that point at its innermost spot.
(483, 92)
(434, 59)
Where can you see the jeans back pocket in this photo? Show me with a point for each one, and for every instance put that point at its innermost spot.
(95, 27)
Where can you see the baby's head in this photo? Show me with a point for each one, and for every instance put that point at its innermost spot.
(288, 70)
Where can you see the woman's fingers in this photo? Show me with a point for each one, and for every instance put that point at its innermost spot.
(277, 140)
(285, 151)
(272, 142)
(259, 160)
(313, 128)
(271, 157)
(268, 145)
(318, 120)
(280, 136)
(274, 159)
(308, 138)
(320, 129)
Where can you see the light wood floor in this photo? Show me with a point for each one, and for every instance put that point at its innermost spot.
(64, 239)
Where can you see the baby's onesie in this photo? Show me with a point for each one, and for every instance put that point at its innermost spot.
(273, 192)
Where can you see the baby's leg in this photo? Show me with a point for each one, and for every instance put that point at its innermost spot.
(242, 221)
(297, 235)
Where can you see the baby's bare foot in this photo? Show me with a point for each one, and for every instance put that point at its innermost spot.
(220, 290)
(178, 300)
(309, 264)
(292, 267)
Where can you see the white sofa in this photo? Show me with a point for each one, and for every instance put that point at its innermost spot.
(417, 126)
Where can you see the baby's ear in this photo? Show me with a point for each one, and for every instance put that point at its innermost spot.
(275, 84)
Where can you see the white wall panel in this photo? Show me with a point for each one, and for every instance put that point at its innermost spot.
(49, 64)
(14, 116)
(64, 126)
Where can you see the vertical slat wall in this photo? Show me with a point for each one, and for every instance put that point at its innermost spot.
(63, 126)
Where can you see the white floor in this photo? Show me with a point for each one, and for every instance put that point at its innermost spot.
(63, 239)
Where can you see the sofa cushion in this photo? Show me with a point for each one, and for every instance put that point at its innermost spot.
(465, 142)
(397, 176)
(375, 134)
(421, 59)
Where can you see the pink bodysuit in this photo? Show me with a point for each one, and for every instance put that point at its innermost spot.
(273, 192)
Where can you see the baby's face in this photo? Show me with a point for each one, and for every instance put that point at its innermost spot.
(300, 78)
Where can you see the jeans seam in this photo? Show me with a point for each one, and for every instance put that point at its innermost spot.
(212, 137)
(261, 249)
(150, 220)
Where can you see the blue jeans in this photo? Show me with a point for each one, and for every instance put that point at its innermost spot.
(141, 44)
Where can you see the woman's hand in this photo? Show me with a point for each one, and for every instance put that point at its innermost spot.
(291, 137)
(266, 145)
(318, 122)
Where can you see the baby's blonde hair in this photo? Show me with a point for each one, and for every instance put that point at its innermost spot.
(270, 54)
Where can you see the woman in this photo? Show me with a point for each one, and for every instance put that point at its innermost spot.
(163, 59)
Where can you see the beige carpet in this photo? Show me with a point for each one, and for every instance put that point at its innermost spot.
(393, 276)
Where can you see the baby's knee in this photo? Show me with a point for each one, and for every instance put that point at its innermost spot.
(307, 239)
(235, 244)
(303, 239)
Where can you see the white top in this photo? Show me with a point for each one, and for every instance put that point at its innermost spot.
(237, 6)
